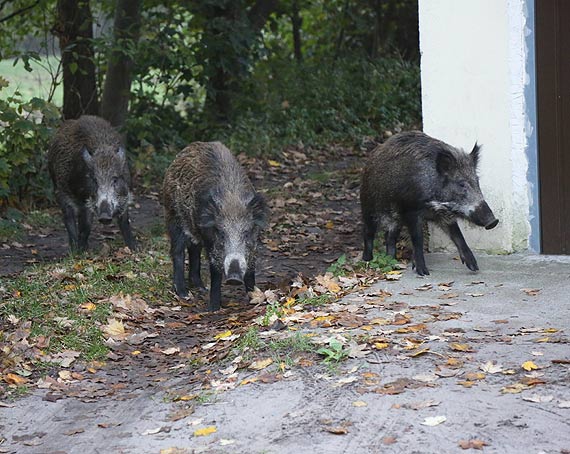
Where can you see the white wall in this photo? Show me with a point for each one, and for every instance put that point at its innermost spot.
(473, 79)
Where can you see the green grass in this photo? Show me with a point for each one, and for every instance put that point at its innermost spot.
(30, 84)
(50, 297)
(380, 262)
(15, 224)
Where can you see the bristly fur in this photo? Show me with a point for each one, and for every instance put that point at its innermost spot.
(85, 160)
(412, 177)
(209, 202)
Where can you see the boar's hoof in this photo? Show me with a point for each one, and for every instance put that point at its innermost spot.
(421, 270)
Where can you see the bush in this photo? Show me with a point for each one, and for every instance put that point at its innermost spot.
(25, 131)
(285, 103)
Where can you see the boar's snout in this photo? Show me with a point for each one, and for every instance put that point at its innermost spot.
(105, 215)
(234, 273)
(483, 216)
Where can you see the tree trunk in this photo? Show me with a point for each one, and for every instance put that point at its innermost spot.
(296, 22)
(223, 82)
(75, 31)
(117, 87)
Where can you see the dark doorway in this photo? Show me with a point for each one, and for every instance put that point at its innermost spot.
(552, 31)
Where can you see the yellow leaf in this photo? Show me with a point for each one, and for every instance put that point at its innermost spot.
(273, 163)
(290, 302)
(542, 339)
(381, 345)
(380, 321)
(260, 364)
(513, 389)
(223, 335)
(247, 381)
(366, 328)
(13, 379)
(460, 347)
(550, 330)
(88, 306)
(185, 398)
(136, 352)
(329, 225)
(359, 403)
(69, 287)
(205, 431)
(529, 365)
(419, 352)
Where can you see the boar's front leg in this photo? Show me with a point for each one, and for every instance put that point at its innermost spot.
(125, 227)
(215, 288)
(391, 238)
(85, 219)
(369, 233)
(70, 220)
(194, 254)
(465, 252)
(177, 247)
(249, 278)
(414, 222)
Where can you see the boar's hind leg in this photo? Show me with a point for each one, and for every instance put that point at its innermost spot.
(369, 232)
(177, 246)
(414, 222)
(194, 253)
(85, 218)
(465, 253)
(125, 227)
(391, 237)
(215, 288)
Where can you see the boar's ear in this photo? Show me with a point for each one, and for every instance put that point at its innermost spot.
(86, 156)
(475, 154)
(444, 161)
(258, 207)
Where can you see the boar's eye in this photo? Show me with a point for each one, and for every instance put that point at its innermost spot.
(462, 184)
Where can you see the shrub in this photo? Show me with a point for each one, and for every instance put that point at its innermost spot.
(25, 131)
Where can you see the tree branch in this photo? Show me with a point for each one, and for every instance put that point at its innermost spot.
(18, 12)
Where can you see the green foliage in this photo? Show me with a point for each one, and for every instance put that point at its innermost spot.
(338, 268)
(380, 262)
(25, 130)
(316, 104)
(334, 353)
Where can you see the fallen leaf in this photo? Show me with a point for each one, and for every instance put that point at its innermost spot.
(381, 345)
(205, 431)
(491, 368)
(115, 329)
(170, 351)
(260, 364)
(529, 365)
(472, 444)
(338, 430)
(359, 403)
(460, 347)
(14, 379)
(433, 420)
(223, 335)
(531, 291)
(423, 404)
(538, 398)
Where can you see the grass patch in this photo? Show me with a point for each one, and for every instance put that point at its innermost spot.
(380, 262)
(52, 298)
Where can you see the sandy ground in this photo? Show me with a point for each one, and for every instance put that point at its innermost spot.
(379, 401)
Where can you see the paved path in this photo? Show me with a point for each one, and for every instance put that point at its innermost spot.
(497, 321)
